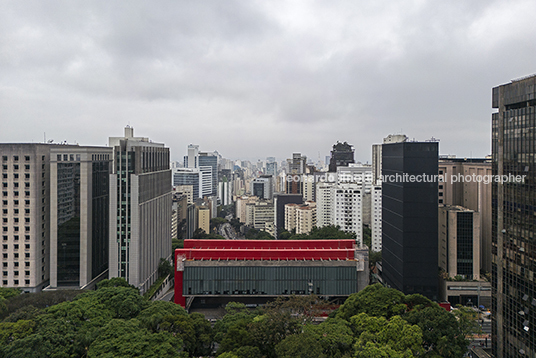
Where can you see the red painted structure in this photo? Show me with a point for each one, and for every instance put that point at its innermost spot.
(273, 250)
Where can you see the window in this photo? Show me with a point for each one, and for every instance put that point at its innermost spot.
(26, 185)
(4, 237)
(58, 158)
(27, 264)
(26, 282)
(15, 157)
(16, 237)
(16, 273)
(27, 273)
(16, 220)
(15, 176)
(4, 185)
(27, 193)
(16, 246)
(27, 158)
(15, 202)
(16, 264)
(16, 167)
(4, 282)
(4, 211)
(4, 220)
(26, 211)
(16, 255)
(4, 157)
(26, 176)
(27, 228)
(4, 264)
(27, 167)
(4, 176)
(15, 282)
(4, 256)
(4, 202)
(15, 185)
(15, 193)
(26, 202)
(4, 273)
(27, 246)
(27, 255)
(4, 193)
(26, 220)
(4, 247)
(16, 211)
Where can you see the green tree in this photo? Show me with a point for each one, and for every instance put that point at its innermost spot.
(467, 320)
(120, 338)
(374, 300)
(395, 336)
(442, 334)
(335, 336)
(305, 345)
(165, 268)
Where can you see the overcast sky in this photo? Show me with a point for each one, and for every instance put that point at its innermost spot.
(253, 79)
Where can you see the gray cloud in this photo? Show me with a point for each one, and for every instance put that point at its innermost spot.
(256, 79)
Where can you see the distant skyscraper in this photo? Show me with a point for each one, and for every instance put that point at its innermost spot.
(140, 209)
(262, 187)
(410, 214)
(514, 219)
(341, 155)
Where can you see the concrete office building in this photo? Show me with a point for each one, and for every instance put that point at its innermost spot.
(459, 241)
(471, 194)
(79, 215)
(409, 216)
(514, 219)
(54, 215)
(25, 216)
(187, 190)
(140, 212)
(262, 187)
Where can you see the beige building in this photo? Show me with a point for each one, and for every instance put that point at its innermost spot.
(459, 242)
(300, 217)
(241, 202)
(187, 190)
(55, 206)
(462, 187)
(306, 218)
(203, 218)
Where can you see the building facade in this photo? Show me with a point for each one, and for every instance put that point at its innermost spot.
(140, 209)
(409, 217)
(514, 219)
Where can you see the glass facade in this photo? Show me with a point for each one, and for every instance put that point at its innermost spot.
(464, 244)
(514, 220)
(100, 214)
(68, 270)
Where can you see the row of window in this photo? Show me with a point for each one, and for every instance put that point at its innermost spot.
(15, 273)
(16, 158)
(16, 282)
(16, 264)
(16, 166)
(16, 246)
(15, 228)
(68, 157)
(16, 175)
(15, 185)
(16, 237)
(16, 193)
(16, 255)
(16, 220)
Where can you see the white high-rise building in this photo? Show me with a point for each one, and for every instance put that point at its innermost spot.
(347, 209)
(324, 204)
(376, 217)
(140, 209)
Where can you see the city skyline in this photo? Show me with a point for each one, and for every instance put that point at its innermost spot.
(253, 80)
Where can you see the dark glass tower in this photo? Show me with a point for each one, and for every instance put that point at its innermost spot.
(514, 219)
(409, 215)
(341, 155)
